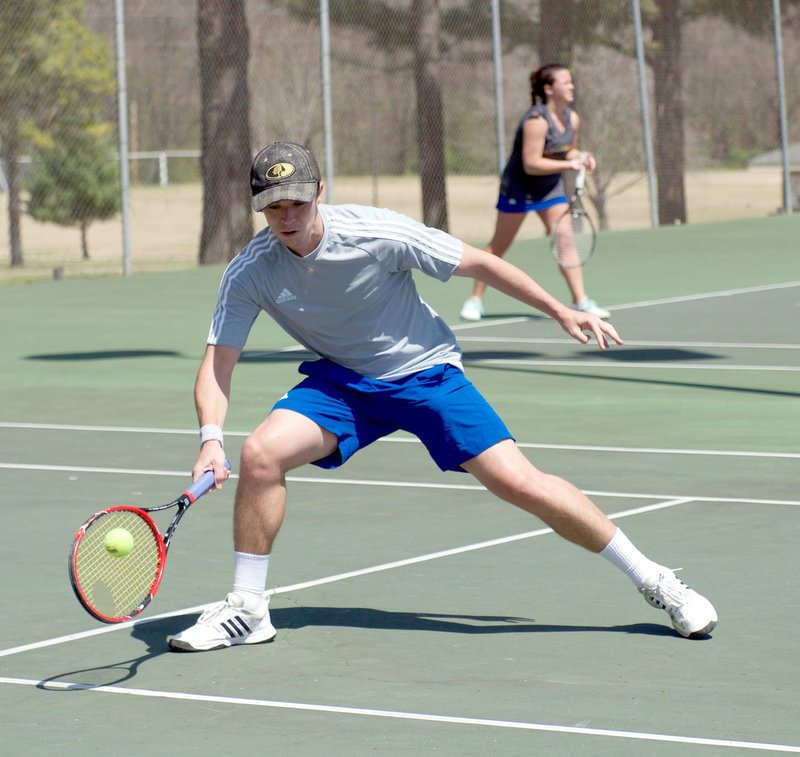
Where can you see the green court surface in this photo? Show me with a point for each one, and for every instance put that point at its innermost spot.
(415, 613)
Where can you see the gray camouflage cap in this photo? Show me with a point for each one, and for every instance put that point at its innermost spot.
(283, 171)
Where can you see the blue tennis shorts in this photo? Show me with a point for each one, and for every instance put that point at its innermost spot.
(440, 406)
(525, 203)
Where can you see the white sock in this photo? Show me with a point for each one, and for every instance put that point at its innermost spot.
(250, 577)
(622, 553)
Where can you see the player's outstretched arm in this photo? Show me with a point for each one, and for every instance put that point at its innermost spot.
(211, 395)
(507, 278)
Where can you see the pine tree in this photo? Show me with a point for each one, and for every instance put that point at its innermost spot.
(74, 180)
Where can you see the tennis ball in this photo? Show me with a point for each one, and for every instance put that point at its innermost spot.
(118, 542)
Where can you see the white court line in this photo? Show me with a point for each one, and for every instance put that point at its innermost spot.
(397, 484)
(635, 343)
(661, 450)
(112, 429)
(497, 322)
(706, 295)
(625, 365)
(640, 304)
(469, 548)
(407, 440)
(400, 715)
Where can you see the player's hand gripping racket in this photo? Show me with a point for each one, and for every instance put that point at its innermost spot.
(115, 575)
(573, 238)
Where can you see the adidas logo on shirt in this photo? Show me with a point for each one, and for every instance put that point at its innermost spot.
(285, 296)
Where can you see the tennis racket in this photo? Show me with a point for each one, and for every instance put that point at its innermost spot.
(573, 238)
(115, 588)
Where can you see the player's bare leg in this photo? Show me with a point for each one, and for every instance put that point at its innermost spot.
(509, 475)
(284, 441)
(572, 275)
(506, 228)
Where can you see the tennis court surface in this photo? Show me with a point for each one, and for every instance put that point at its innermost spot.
(415, 613)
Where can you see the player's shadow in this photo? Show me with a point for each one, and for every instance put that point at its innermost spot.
(367, 617)
(154, 632)
(649, 354)
(103, 355)
(638, 380)
(294, 618)
(628, 355)
(276, 356)
(469, 355)
(527, 315)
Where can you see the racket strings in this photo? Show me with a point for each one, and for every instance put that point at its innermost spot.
(573, 239)
(116, 586)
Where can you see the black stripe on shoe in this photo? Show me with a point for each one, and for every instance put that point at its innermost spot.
(235, 627)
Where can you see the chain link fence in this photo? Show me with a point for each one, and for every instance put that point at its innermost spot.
(397, 70)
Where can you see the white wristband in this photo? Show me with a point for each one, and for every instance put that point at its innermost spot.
(211, 431)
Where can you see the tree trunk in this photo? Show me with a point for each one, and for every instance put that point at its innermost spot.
(14, 211)
(85, 240)
(556, 33)
(430, 125)
(669, 141)
(223, 43)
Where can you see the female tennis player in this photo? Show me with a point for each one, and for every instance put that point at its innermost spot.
(545, 146)
(339, 280)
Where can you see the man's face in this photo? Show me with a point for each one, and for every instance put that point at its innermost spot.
(297, 224)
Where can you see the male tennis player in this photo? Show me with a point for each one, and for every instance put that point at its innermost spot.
(338, 280)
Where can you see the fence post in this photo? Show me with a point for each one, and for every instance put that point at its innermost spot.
(163, 169)
(327, 119)
(644, 98)
(788, 200)
(497, 55)
(124, 167)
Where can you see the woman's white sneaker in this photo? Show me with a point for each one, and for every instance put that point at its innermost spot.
(587, 305)
(472, 310)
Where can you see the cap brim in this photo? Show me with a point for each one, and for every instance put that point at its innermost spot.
(303, 192)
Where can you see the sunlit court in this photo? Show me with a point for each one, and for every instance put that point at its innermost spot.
(413, 610)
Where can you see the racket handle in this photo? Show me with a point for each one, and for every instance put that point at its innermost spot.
(203, 485)
(580, 179)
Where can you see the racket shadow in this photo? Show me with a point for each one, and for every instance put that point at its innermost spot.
(152, 632)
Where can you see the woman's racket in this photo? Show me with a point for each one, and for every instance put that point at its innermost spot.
(573, 238)
(116, 575)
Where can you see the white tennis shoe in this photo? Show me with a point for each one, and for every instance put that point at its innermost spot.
(691, 613)
(226, 624)
(472, 310)
(587, 305)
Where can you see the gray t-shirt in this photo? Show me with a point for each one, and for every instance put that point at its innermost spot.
(353, 299)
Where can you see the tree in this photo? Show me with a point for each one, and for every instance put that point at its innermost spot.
(665, 19)
(53, 70)
(391, 27)
(555, 37)
(22, 50)
(75, 180)
(226, 152)
(430, 124)
(670, 154)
